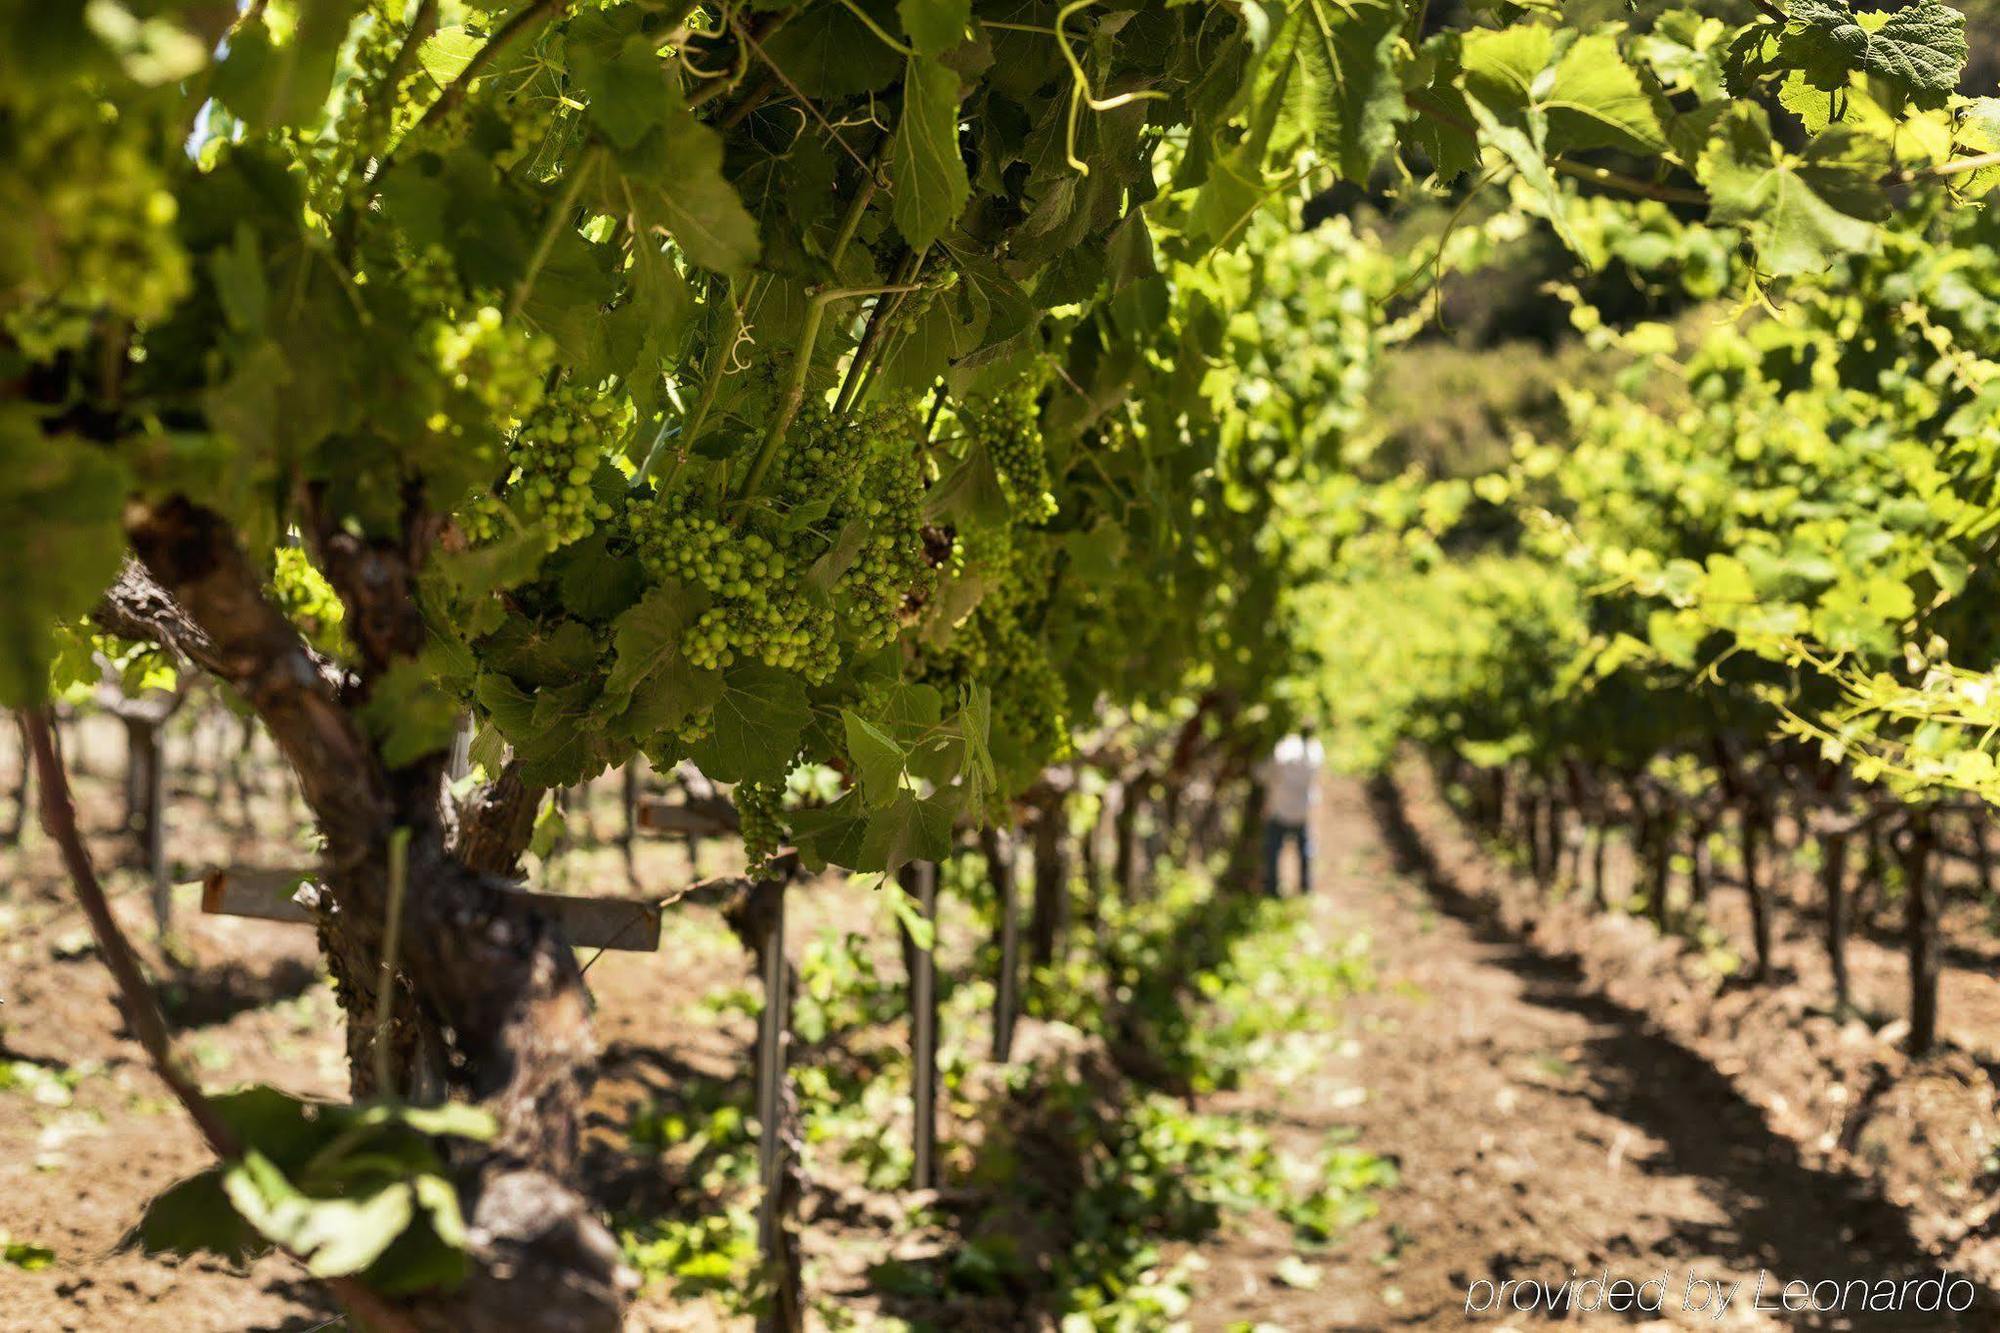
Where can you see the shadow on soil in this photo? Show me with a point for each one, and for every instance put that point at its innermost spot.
(1787, 1217)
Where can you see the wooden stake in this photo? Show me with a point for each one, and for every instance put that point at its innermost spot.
(156, 832)
(785, 1313)
(921, 878)
(999, 849)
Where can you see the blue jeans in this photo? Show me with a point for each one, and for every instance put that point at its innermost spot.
(1276, 835)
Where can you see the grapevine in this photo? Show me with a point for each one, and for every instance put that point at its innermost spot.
(89, 225)
(552, 461)
(963, 415)
(1006, 426)
(760, 807)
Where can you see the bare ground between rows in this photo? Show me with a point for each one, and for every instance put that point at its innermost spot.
(1567, 1091)
(1579, 1094)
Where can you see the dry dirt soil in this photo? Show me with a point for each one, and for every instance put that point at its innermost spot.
(1562, 1092)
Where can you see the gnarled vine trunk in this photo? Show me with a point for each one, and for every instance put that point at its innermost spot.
(1920, 930)
(488, 1003)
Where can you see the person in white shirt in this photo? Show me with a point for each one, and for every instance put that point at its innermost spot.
(1291, 790)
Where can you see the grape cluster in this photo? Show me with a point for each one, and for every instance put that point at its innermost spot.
(761, 820)
(754, 565)
(758, 612)
(676, 540)
(997, 645)
(552, 460)
(1009, 425)
(824, 457)
(502, 369)
(994, 647)
(778, 627)
(86, 226)
(891, 569)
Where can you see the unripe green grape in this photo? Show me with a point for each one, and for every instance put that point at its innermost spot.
(552, 460)
(91, 225)
(1009, 425)
(761, 821)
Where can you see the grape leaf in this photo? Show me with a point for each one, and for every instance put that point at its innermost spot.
(975, 723)
(1919, 49)
(596, 585)
(827, 52)
(549, 729)
(877, 758)
(268, 83)
(335, 1236)
(1583, 92)
(408, 715)
(931, 187)
(624, 78)
(60, 500)
(830, 834)
(646, 640)
(446, 53)
(1359, 48)
(907, 710)
(1800, 212)
(672, 180)
(934, 26)
(970, 492)
(757, 725)
(196, 1216)
(1443, 126)
(1979, 133)
(908, 829)
(1523, 148)
(537, 653)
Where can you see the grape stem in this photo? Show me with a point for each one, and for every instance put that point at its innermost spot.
(795, 387)
(382, 99)
(852, 222)
(718, 362)
(392, 937)
(558, 219)
(533, 16)
(871, 338)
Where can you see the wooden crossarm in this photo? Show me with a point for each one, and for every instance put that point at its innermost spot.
(710, 818)
(269, 893)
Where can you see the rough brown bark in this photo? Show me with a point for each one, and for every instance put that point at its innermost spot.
(1125, 836)
(1833, 884)
(1920, 931)
(1659, 859)
(489, 997)
(1750, 840)
(496, 824)
(1050, 915)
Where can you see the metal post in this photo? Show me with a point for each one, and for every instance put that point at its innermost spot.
(923, 1035)
(628, 841)
(460, 762)
(1006, 998)
(773, 1029)
(156, 831)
